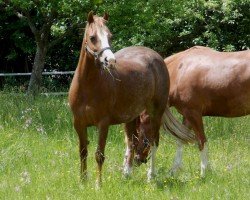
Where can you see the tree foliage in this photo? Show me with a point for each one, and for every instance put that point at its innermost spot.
(49, 21)
(165, 26)
(171, 26)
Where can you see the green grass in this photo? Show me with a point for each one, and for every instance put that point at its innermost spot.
(39, 158)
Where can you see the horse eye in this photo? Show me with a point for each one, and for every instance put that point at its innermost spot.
(92, 38)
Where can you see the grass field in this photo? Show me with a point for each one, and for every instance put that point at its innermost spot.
(39, 158)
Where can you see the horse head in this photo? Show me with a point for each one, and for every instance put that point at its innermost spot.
(142, 151)
(142, 144)
(97, 40)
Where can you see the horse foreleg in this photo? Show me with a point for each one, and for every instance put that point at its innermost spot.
(131, 140)
(99, 154)
(83, 142)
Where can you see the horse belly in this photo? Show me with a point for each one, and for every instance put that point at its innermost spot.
(126, 112)
(228, 106)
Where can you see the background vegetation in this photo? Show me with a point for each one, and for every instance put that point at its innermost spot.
(39, 158)
(39, 148)
(165, 26)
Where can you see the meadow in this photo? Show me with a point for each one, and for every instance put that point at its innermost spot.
(39, 158)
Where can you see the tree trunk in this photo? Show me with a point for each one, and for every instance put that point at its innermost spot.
(37, 69)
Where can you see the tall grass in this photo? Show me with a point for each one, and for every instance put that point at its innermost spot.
(39, 158)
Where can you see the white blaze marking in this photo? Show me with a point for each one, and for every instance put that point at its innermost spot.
(103, 35)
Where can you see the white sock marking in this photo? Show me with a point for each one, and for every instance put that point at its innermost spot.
(127, 170)
(151, 170)
(204, 159)
(177, 164)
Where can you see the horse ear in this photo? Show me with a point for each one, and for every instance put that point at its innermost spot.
(106, 16)
(91, 17)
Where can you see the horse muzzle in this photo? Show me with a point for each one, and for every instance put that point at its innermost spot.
(138, 161)
(110, 64)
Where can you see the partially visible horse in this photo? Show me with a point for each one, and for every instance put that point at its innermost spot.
(205, 82)
(118, 88)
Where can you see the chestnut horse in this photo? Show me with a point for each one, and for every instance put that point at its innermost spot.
(204, 82)
(110, 89)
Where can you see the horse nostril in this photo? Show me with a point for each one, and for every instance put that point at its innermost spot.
(112, 61)
(137, 161)
(106, 59)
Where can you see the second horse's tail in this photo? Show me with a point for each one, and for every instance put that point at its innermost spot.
(173, 126)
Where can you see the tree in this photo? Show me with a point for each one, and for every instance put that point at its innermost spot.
(165, 26)
(50, 22)
(175, 25)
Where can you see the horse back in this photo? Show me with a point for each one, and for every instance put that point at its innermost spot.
(215, 83)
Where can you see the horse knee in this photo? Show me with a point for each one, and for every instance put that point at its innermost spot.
(83, 154)
(99, 156)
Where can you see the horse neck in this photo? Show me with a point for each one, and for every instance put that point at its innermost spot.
(86, 65)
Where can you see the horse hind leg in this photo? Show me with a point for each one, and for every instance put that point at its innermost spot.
(204, 160)
(194, 118)
(131, 140)
(177, 164)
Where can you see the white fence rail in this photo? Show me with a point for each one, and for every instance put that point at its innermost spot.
(44, 73)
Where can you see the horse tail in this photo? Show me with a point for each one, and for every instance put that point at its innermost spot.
(180, 131)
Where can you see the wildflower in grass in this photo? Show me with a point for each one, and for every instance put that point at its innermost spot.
(48, 198)
(66, 103)
(41, 130)
(25, 112)
(61, 154)
(28, 122)
(1, 127)
(229, 167)
(17, 189)
(174, 198)
(25, 177)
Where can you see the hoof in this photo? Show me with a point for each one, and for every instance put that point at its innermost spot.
(151, 176)
(127, 171)
(84, 177)
(174, 171)
(98, 185)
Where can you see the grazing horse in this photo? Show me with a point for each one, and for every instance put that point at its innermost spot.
(110, 89)
(205, 82)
